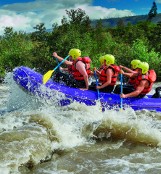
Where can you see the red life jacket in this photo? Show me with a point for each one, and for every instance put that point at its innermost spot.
(76, 74)
(103, 75)
(150, 76)
(131, 80)
(101, 67)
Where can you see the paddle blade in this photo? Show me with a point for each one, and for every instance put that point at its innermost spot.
(47, 76)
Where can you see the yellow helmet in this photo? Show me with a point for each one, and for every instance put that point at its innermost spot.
(101, 59)
(144, 66)
(75, 53)
(134, 63)
(110, 59)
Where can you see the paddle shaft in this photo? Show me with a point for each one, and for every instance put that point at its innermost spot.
(95, 75)
(121, 99)
(47, 76)
(61, 62)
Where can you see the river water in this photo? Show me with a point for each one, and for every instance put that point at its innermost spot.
(37, 137)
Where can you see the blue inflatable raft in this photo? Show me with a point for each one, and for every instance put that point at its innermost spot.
(31, 81)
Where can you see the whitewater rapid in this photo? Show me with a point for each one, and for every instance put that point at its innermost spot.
(37, 136)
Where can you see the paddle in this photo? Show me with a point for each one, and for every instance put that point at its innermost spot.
(121, 99)
(98, 93)
(47, 76)
(57, 61)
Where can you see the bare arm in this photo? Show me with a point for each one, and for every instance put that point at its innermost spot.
(97, 71)
(138, 90)
(80, 66)
(126, 69)
(129, 74)
(109, 73)
(60, 59)
(64, 69)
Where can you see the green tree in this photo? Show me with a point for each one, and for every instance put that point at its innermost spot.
(41, 52)
(120, 23)
(125, 42)
(40, 33)
(155, 37)
(77, 16)
(142, 52)
(16, 49)
(73, 33)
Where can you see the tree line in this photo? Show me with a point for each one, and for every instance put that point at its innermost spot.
(140, 41)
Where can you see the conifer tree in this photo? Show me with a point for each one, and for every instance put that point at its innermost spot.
(153, 11)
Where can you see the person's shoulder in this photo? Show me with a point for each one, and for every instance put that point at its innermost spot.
(135, 73)
(80, 64)
(145, 82)
(109, 71)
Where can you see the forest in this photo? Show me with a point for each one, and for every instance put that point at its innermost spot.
(126, 42)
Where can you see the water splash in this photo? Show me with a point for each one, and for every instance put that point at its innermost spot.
(34, 131)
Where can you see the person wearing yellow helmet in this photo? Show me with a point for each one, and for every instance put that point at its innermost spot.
(144, 67)
(74, 53)
(134, 66)
(78, 69)
(129, 73)
(144, 81)
(135, 63)
(108, 73)
(101, 59)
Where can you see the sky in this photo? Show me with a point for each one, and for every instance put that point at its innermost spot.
(23, 15)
